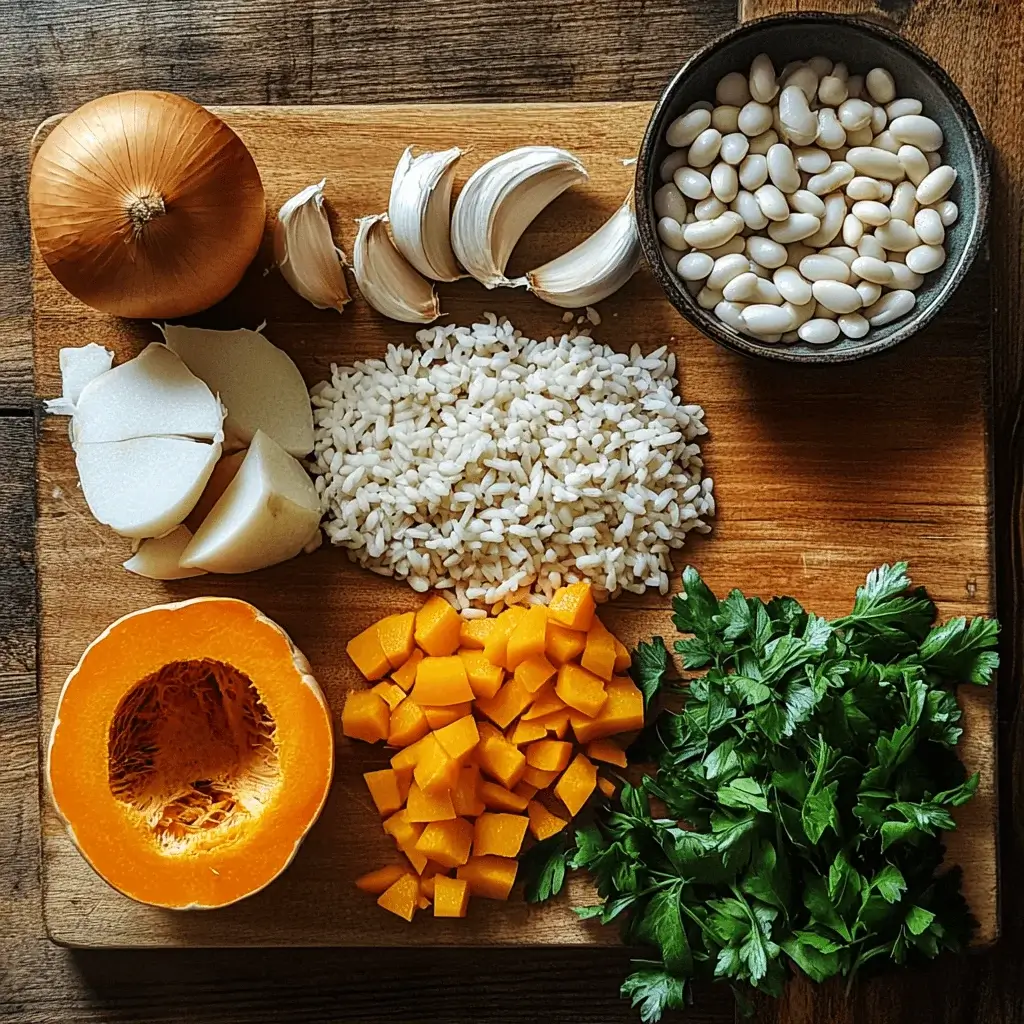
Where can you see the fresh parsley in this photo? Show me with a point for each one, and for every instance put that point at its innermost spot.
(794, 820)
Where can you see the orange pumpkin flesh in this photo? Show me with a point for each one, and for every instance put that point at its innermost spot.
(191, 753)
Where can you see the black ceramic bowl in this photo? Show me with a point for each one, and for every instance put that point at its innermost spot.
(861, 45)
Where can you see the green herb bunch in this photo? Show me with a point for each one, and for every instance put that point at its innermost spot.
(800, 795)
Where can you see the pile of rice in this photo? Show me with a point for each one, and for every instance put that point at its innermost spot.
(498, 468)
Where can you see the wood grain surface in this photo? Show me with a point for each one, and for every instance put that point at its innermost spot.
(58, 54)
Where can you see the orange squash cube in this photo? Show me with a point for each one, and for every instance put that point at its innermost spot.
(562, 644)
(549, 755)
(403, 777)
(437, 629)
(576, 784)
(497, 798)
(538, 777)
(527, 639)
(441, 681)
(405, 833)
(499, 834)
(599, 654)
(434, 771)
(428, 880)
(623, 711)
(408, 724)
(384, 789)
(545, 701)
(573, 606)
(365, 716)
(557, 723)
(391, 693)
(395, 636)
(460, 738)
(438, 718)
(543, 823)
(447, 842)
(406, 675)
(380, 879)
(498, 758)
(525, 790)
(507, 704)
(604, 750)
(423, 807)
(451, 896)
(489, 877)
(606, 786)
(407, 757)
(496, 645)
(580, 689)
(402, 898)
(369, 657)
(473, 633)
(527, 732)
(466, 795)
(622, 658)
(485, 678)
(534, 672)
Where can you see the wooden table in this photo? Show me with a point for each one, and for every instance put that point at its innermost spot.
(58, 53)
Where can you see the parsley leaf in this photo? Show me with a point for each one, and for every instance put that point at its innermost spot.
(650, 663)
(653, 991)
(543, 865)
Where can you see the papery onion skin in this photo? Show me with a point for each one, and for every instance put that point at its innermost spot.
(145, 204)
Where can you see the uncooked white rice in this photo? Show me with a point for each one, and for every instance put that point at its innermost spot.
(497, 468)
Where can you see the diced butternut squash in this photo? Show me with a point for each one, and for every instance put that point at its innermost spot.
(622, 658)
(538, 777)
(623, 711)
(402, 898)
(534, 672)
(423, 807)
(499, 834)
(496, 645)
(562, 644)
(428, 880)
(557, 723)
(604, 750)
(580, 689)
(485, 678)
(507, 704)
(406, 675)
(466, 794)
(405, 833)
(573, 606)
(403, 776)
(437, 629)
(543, 823)
(407, 757)
(447, 842)
(606, 786)
(380, 879)
(497, 798)
(549, 755)
(459, 739)
(434, 771)
(599, 654)
(451, 896)
(395, 636)
(545, 701)
(525, 790)
(499, 758)
(369, 657)
(527, 639)
(489, 877)
(385, 791)
(438, 718)
(576, 784)
(441, 681)
(391, 693)
(408, 724)
(473, 633)
(365, 716)
(527, 732)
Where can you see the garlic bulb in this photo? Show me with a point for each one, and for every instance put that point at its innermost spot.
(597, 267)
(387, 281)
(305, 251)
(420, 212)
(500, 201)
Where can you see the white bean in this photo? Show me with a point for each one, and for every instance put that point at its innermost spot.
(671, 164)
(762, 272)
(859, 136)
(832, 222)
(818, 332)
(887, 190)
(904, 277)
(948, 211)
(832, 91)
(708, 298)
(671, 256)
(772, 202)
(805, 201)
(838, 174)
(853, 325)
(759, 289)
(923, 259)
(796, 252)
(845, 253)
(754, 118)
(863, 188)
(792, 286)
(762, 318)
(837, 296)
(897, 236)
(823, 312)
(734, 148)
(699, 105)
(880, 85)
(795, 228)
(855, 85)
(820, 65)
(914, 163)
(734, 245)
(871, 269)
(831, 134)
(746, 205)
(705, 148)
(684, 129)
(692, 183)
(853, 229)
(875, 162)
(726, 268)
(929, 227)
(762, 143)
(800, 125)
(904, 202)
(889, 307)
(725, 118)
(669, 202)
(695, 266)
(800, 313)
(936, 185)
(732, 90)
(670, 231)
(870, 212)
(878, 120)
(871, 246)
(854, 114)
(762, 83)
(811, 159)
(724, 182)
(934, 160)
(824, 268)
(753, 171)
(782, 168)
(707, 234)
(710, 208)
(917, 130)
(730, 313)
(868, 292)
(901, 107)
(766, 252)
(887, 141)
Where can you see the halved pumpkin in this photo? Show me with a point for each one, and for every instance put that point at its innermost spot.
(191, 753)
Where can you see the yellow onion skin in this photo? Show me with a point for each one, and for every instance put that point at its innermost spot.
(145, 204)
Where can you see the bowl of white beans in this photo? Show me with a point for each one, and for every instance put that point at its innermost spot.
(811, 188)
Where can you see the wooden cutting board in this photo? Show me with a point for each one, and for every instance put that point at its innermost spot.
(820, 474)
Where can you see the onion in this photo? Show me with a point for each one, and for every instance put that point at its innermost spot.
(144, 204)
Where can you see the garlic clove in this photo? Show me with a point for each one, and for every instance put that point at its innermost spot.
(223, 473)
(257, 382)
(419, 212)
(157, 557)
(267, 514)
(597, 267)
(388, 282)
(78, 366)
(305, 251)
(144, 486)
(501, 199)
(154, 394)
